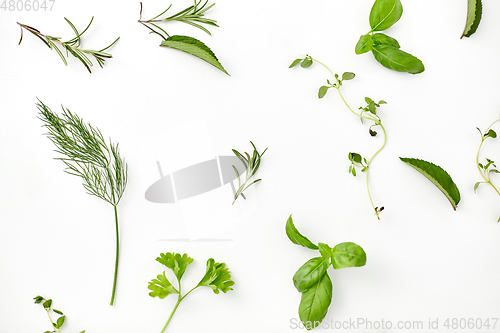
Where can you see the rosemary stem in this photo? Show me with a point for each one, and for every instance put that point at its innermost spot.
(117, 255)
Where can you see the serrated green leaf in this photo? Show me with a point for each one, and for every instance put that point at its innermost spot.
(161, 287)
(474, 13)
(314, 303)
(364, 44)
(348, 76)
(194, 47)
(384, 14)
(295, 236)
(322, 91)
(176, 262)
(295, 63)
(310, 273)
(348, 255)
(438, 176)
(395, 59)
(217, 277)
(306, 63)
(382, 39)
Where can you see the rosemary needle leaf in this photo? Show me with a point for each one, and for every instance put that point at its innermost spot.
(251, 164)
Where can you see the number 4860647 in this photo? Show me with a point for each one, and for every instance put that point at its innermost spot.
(27, 5)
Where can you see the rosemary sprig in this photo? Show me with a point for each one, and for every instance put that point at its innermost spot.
(192, 15)
(71, 46)
(252, 164)
(88, 156)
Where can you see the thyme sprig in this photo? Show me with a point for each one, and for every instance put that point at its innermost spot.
(192, 15)
(71, 46)
(252, 164)
(369, 112)
(90, 157)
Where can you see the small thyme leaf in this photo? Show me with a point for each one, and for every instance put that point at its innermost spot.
(47, 305)
(438, 176)
(295, 63)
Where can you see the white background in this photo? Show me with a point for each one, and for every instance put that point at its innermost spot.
(424, 259)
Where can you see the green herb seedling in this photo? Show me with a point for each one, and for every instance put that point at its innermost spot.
(71, 46)
(47, 305)
(385, 49)
(486, 169)
(252, 164)
(88, 156)
(369, 112)
(193, 15)
(312, 279)
(217, 277)
(474, 13)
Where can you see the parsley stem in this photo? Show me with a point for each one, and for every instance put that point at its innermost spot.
(117, 255)
(179, 300)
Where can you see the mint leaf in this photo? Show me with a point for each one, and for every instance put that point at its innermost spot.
(310, 273)
(194, 47)
(295, 236)
(438, 176)
(348, 255)
(217, 277)
(161, 287)
(175, 262)
(314, 303)
(474, 13)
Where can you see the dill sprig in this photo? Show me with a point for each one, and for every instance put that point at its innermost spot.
(252, 164)
(88, 156)
(192, 15)
(71, 46)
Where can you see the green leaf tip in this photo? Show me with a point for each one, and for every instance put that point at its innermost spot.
(474, 13)
(438, 176)
(194, 47)
(384, 14)
(296, 237)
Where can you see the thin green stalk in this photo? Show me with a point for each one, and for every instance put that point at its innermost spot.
(117, 255)
(179, 300)
(484, 174)
(51, 321)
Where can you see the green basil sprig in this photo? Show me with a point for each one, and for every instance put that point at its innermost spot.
(385, 49)
(312, 279)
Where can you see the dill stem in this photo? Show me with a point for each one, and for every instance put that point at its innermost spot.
(117, 255)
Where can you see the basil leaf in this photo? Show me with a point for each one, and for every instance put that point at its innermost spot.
(395, 59)
(382, 39)
(325, 250)
(315, 302)
(348, 255)
(310, 273)
(438, 177)
(385, 13)
(194, 47)
(364, 44)
(295, 236)
(474, 13)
